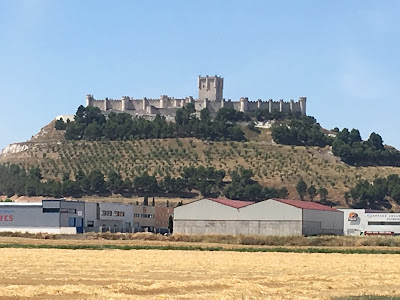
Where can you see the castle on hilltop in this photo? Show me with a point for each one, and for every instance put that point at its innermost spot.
(210, 96)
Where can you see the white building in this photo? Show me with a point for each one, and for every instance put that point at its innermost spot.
(366, 221)
(269, 217)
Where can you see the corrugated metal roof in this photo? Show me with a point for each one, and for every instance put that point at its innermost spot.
(306, 204)
(231, 203)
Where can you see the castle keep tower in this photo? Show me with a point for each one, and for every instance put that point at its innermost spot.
(211, 88)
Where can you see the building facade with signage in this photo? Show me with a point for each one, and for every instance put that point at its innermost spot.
(370, 222)
(65, 217)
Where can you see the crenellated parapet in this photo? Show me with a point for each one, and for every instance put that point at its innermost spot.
(208, 87)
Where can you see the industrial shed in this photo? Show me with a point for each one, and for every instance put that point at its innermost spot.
(59, 216)
(269, 217)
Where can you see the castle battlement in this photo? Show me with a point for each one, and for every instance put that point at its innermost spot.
(210, 96)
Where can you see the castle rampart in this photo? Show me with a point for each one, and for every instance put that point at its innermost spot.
(210, 96)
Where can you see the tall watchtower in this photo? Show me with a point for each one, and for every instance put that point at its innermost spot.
(211, 88)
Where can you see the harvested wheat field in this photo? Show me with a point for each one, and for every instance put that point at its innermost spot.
(157, 274)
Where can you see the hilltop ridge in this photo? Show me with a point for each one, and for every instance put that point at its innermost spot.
(273, 165)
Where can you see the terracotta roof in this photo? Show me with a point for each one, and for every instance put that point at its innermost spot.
(231, 203)
(306, 204)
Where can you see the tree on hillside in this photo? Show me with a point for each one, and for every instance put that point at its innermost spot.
(375, 142)
(205, 114)
(115, 182)
(96, 182)
(301, 188)
(35, 173)
(312, 192)
(323, 193)
(60, 124)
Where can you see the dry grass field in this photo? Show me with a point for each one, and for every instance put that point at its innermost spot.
(157, 274)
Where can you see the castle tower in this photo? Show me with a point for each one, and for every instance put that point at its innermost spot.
(144, 104)
(302, 101)
(89, 100)
(211, 88)
(243, 104)
(124, 103)
(163, 101)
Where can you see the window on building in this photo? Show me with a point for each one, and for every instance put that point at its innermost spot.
(136, 215)
(383, 223)
(51, 209)
(107, 213)
(148, 216)
(90, 223)
(68, 210)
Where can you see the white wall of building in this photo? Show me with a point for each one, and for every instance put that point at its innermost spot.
(270, 210)
(269, 217)
(322, 222)
(205, 209)
(367, 221)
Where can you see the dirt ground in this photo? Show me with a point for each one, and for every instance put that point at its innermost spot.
(173, 274)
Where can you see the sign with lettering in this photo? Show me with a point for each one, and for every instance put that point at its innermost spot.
(6, 218)
(384, 216)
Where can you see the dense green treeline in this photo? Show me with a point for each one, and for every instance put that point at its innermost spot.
(354, 151)
(90, 124)
(15, 180)
(374, 195)
(347, 145)
(304, 131)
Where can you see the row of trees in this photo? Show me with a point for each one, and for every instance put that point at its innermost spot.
(303, 189)
(374, 195)
(243, 187)
(90, 124)
(15, 180)
(349, 146)
(303, 131)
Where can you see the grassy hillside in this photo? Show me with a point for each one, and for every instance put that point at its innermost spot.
(273, 165)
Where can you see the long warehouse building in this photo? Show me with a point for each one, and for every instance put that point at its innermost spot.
(65, 217)
(270, 217)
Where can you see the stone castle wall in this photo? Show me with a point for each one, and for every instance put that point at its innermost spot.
(210, 96)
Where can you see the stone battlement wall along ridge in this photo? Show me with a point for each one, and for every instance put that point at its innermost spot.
(210, 96)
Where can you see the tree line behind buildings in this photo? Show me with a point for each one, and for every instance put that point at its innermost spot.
(209, 181)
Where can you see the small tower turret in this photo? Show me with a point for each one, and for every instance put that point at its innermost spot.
(243, 104)
(89, 100)
(124, 103)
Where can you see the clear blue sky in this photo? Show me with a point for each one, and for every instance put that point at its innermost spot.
(344, 56)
